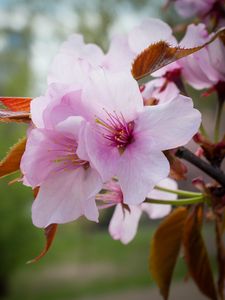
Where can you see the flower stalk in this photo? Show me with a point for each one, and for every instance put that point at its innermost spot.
(179, 202)
(181, 193)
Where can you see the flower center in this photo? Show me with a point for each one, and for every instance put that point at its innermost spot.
(66, 157)
(117, 131)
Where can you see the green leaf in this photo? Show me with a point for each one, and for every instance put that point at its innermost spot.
(165, 247)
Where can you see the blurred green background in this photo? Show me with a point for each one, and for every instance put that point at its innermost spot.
(84, 261)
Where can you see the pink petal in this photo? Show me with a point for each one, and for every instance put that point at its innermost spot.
(119, 56)
(67, 196)
(37, 161)
(152, 90)
(138, 171)
(149, 32)
(71, 126)
(156, 211)
(112, 92)
(123, 225)
(72, 64)
(102, 157)
(168, 125)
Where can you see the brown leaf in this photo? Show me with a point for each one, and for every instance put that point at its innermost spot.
(196, 255)
(161, 54)
(11, 163)
(165, 249)
(16, 103)
(50, 232)
(8, 116)
(178, 170)
(220, 256)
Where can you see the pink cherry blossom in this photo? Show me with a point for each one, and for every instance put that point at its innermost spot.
(125, 47)
(124, 138)
(189, 8)
(68, 184)
(124, 223)
(65, 67)
(206, 68)
(159, 89)
(211, 12)
(122, 51)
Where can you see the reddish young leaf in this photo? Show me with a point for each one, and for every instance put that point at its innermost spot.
(16, 103)
(11, 163)
(178, 170)
(8, 116)
(165, 249)
(50, 232)
(196, 255)
(161, 54)
(220, 256)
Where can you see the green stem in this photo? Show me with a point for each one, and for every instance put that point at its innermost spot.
(178, 192)
(179, 202)
(218, 120)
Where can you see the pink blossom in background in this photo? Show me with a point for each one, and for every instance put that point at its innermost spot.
(159, 89)
(68, 183)
(211, 12)
(122, 51)
(125, 47)
(75, 59)
(124, 223)
(124, 138)
(65, 67)
(189, 8)
(206, 68)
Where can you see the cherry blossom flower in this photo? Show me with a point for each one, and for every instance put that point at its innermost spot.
(122, 51)
(205, 68)
(68, 183)
(124, 223)
(65, 67)
(125, 47)
(159, 90)
(189, 8)
(125, 139)
(211, 12)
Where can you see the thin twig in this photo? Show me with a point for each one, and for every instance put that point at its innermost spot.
(213, 172)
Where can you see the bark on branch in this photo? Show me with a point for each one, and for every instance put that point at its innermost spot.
(213, 172)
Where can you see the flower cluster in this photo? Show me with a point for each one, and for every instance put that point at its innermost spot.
(210, 11)
(95, 125)
(105, 134)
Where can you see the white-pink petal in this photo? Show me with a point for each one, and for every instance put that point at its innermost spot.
(170, 125)
(123, 225)
(67, 196)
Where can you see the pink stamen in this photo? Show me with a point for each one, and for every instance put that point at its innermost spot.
(117, 130)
